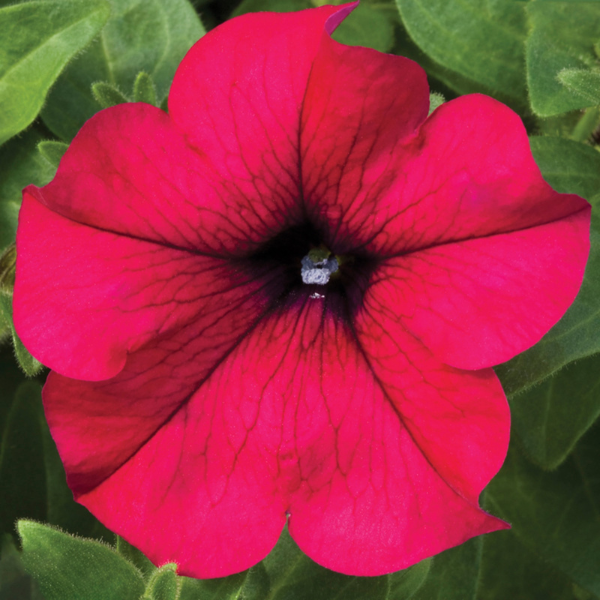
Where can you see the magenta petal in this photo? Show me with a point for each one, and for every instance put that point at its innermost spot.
(406, 447)
(167, 473)
(298, 419)
(130, 171)
(478, 303)
(361, 109)
(237, 97)
(93, 296)
(388, 186)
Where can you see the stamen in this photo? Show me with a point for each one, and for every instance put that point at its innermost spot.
(318, 272)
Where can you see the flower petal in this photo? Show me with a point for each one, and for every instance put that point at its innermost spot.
(477, 303)
(237, 97)
(295, 420)
(130, 171)
(384, 185)
(361, 109)
(411, 443)
(93, 296)
(460, 420)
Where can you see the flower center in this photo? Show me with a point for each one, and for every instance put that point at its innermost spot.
(318, 266)
(300, 262)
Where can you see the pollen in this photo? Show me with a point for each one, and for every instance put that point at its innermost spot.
(318, 272)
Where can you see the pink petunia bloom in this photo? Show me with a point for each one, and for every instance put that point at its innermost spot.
(214, 376)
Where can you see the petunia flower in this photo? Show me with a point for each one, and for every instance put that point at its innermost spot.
(280, 302)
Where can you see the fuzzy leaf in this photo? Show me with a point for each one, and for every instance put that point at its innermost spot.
(582, 82)
(435, 101)
(480, 40)
(135, 557)
(164, 584)
(561, 40)
(52, 151)
(30, 366)
(143, 89)
(71, 568)
(38, 40)
(221, 588)
(148, 35)
(107, 95)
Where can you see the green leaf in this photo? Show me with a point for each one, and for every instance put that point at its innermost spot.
(30, 366)
(550, 418)
(38, 40)
(23, 490)
(569, 167)
(556, 514)
(144, 90)
(257, 584)
(71, 568)
(435, 101)
(586, 125)
(481, 40)
(164, 584)
(141, 35)
(511, 571)
(404, 584)
(20, 165)
(371, 24)
(53, 151)
(439, 77)
(453, 574)
(33, 479)
(5, 320)
(8, 267)
(135, 557)
(107, 95)
(582, 82)
(562, 39)
(223, 588)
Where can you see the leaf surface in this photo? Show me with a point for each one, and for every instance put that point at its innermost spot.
(141, 35)
(557, 514)
(551, 417)
(38, 40)
(70, 568)
(481, 40)
(562, 38)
